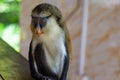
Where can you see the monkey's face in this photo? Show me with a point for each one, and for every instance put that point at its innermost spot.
(39, 22)
(45, 20)
(44, 24)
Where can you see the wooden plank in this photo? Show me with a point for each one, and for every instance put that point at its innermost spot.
(12, 65)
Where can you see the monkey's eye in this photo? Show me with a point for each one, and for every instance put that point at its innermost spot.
(43, 22)
(34, 22)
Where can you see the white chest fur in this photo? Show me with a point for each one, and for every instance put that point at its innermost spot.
(55, 53)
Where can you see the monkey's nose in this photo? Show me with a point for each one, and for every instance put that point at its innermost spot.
(38, 31)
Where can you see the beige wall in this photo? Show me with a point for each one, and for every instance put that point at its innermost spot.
(103, 40)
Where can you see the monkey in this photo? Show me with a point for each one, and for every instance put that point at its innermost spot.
(50, 47)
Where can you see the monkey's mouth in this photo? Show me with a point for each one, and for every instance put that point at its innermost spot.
(38, 32)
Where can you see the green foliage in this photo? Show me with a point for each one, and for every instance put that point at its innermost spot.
(9, 22)
(9, 11)
(1, 29)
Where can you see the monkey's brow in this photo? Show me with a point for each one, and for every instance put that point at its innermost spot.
(40, 17)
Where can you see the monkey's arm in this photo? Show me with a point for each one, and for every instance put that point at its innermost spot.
(31, 62)
(66, 63)
(68, 44)
(69, 54)
(65, 68)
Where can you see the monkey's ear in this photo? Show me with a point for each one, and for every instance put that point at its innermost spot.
(59, 20)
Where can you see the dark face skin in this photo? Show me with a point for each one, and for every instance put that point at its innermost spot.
(39, 21)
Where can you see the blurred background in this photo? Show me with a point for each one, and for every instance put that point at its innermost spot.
(103, 36)
(9, 22)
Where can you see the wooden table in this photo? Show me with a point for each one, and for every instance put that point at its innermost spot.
(12, 65)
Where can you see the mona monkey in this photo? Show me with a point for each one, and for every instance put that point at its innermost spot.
(50, 47)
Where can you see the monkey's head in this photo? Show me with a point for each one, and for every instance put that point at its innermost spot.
(46, 19)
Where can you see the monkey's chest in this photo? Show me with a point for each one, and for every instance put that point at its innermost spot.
(55, 53)
(50, 57)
